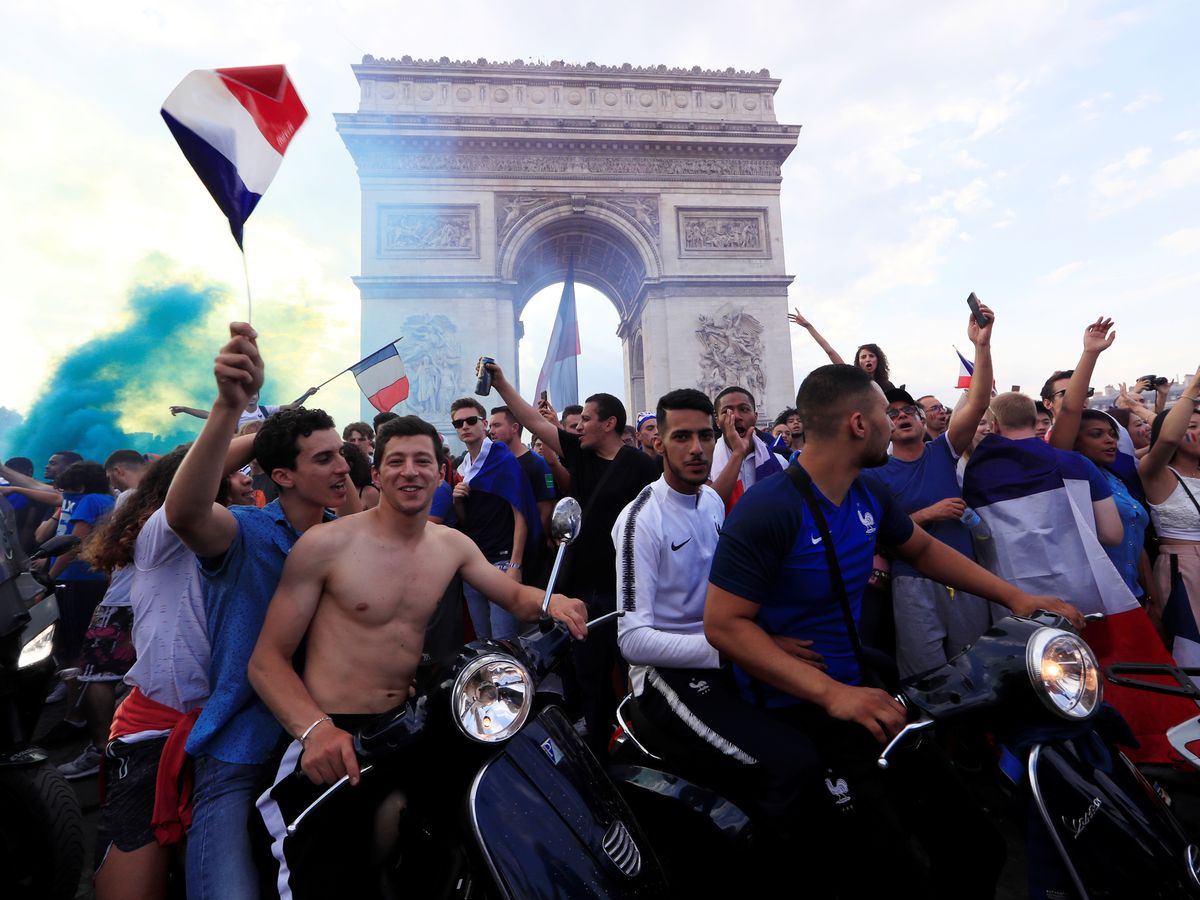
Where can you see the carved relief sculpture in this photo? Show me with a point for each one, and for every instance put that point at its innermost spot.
(432, 357)
(427, 230)
(643, 209)
(733, 232)
(731, 351)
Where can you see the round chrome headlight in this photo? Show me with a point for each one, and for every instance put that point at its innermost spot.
(492, 697)
(1064, 673)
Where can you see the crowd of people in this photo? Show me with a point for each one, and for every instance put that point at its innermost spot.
(240, 605)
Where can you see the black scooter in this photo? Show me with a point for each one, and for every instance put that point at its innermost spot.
(1036, 687)
(519, 808)
(41, 826)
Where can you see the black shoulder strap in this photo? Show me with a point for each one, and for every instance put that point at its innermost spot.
(803, 483)
(612, 467)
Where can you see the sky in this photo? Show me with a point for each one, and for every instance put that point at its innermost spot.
(1043, 155)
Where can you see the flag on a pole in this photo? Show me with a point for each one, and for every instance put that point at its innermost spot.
(560, 373)
(965, 371)
(233, 126)
(382, 378)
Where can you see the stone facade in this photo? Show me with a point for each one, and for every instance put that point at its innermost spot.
(480, 180)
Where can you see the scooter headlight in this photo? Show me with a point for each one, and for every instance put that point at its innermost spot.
(37, 649)
(1064, 673)
(492, 697)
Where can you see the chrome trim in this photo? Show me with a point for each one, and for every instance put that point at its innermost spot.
(1191, 857)
(469, 671)
(628, 729)
(1031, 768)
(501, 887)
(620, 847)
(1036, 647)
(920, 725)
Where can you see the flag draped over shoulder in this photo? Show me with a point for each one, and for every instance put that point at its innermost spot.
(502, 475)
(560, 373)
(234, 126)
(382, 378)
(1038, 506)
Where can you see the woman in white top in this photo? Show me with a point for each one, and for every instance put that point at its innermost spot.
(1170, 473)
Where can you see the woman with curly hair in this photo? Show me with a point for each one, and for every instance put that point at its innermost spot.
(868, 357)
(140, 827)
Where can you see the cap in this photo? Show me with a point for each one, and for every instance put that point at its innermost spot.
(643, 416)
(899, 395)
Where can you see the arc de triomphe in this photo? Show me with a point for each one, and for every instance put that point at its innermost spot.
(479, 180)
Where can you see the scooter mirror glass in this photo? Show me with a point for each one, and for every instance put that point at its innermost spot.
(565, 520)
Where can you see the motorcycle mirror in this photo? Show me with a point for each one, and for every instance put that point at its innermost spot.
(565, 520)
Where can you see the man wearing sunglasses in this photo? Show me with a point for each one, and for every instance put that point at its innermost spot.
(495, 508)
(933, 622)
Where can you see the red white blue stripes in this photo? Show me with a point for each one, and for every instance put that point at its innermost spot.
(234, 126)
(381, 376)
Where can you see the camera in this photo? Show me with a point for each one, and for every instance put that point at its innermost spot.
(1155, 381)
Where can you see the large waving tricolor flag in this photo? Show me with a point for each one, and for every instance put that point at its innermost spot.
(382, 378)
(560, 374)
(234, 125)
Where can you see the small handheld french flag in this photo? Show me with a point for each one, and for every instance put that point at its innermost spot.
(233, 126)
(965, 370)
(382, 378)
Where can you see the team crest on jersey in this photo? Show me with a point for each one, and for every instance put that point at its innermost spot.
(839, 790)
(867, 519)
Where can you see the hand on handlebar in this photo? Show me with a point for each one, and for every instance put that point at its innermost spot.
(1028, 604)
(873, 709)
(328, 755)
(571, 612)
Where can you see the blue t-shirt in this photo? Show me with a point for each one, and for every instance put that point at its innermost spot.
(1134, 519)
(771, 553)
(236, 726)
(922, 482)
(76, 508)
(443, 505)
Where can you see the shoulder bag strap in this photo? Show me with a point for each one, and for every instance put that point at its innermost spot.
(803, 483)
(1186, 489)
(612, 467)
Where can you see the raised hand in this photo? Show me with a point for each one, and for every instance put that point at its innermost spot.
(795, 317)
(239, 367)
(1098, 336)
(981, 336)
(739, 446)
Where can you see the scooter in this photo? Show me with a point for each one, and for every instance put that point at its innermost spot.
(530, 813)
(41, 826)
(1037, 688)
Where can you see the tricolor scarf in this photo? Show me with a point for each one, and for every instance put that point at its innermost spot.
(762, 464)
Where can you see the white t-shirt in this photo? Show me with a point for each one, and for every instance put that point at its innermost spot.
(122, 578)
(665, 543)
(169, 632)
(257, 415)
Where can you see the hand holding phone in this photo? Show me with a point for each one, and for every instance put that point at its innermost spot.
(980, 319)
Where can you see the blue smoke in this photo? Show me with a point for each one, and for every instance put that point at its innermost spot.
(162, 356)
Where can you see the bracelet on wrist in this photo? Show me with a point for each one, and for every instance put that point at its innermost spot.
(513, 565)
(309, 730)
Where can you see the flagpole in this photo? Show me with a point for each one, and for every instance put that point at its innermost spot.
(348, 368)
(249, 299)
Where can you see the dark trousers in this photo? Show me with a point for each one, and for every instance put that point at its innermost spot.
(594, 660)
(878, 815)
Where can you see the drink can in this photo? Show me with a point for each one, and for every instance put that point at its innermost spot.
(483, 386)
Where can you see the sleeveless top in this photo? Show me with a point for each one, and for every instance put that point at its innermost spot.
(1177, 517)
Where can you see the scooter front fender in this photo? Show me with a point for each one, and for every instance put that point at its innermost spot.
(549, 823)
(1113, 832)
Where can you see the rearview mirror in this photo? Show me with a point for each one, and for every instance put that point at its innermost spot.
(565, 520)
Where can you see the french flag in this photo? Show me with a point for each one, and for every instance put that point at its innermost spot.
(965, 371)
(560, 373)
(382, 378)
(233, 126)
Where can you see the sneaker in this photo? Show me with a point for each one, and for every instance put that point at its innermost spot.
(59, 693)
(84, 765)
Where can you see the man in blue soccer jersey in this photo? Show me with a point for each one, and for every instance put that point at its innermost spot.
(772, 575)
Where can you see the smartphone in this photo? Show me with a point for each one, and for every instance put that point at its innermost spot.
(545, 396)
(980, 319)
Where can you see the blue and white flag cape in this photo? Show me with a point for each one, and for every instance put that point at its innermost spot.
(502, 475)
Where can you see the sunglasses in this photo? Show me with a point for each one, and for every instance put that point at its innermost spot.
(910, 411)
(937, 407)
(1090, 392)
(464, 423)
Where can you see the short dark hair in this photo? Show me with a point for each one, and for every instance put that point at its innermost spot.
(68, 456)
(825, 393)
(84, 477)
(406, 426)
(782, 418)
(683, 398)
(125, 458)
(1118, 413)
(383, 417)
(609, 407)
(1042, 410)
(1048, 387)
(512, 420)
(467, 403)
(361, 428)
(22, 464)
(360, 466)
(734, 389)
(277, 444)
(572, 409)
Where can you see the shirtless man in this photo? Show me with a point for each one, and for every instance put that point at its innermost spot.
(362, 591)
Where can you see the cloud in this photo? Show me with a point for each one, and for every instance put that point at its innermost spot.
(1185, 242)
(1187, 137)
(1144, 100)
(969, 198)
(1006, 218)
(915, 261)
(1063, 272)
(1131, 180)
(1090, 106)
